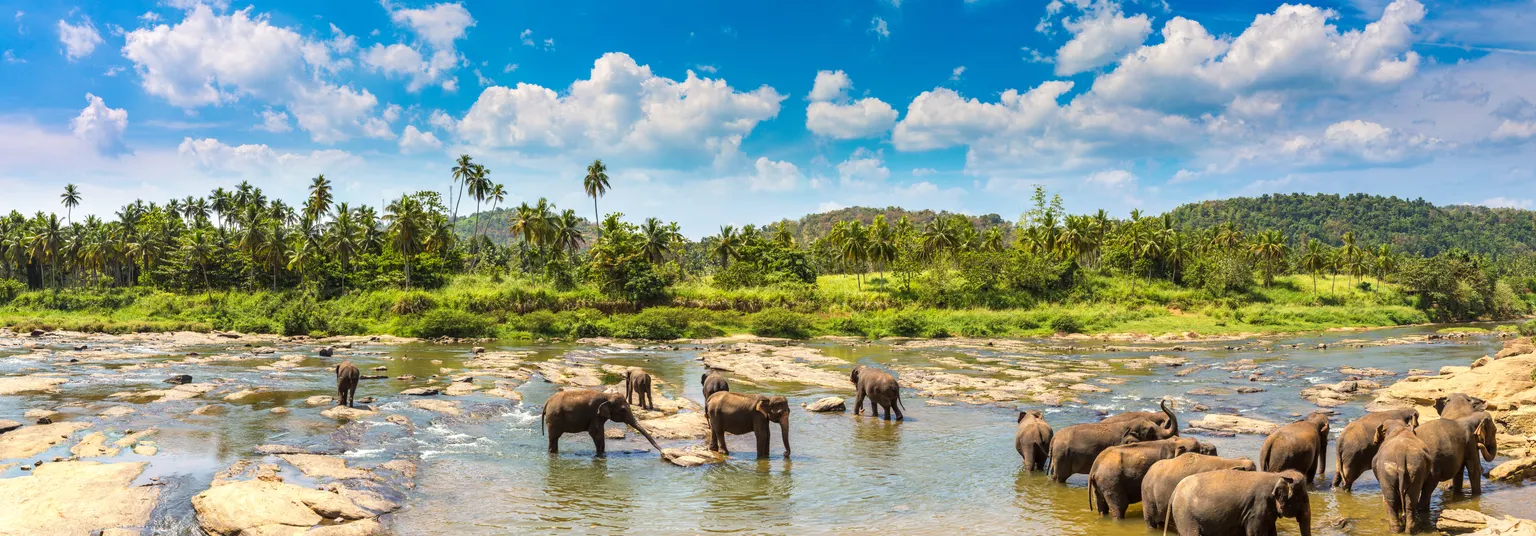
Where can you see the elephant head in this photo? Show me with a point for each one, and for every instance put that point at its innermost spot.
(1290, 496)
(1244, 464)
(617, 410)
(1456, 405)
(703, 378)
(1033, 414)
(1184, 444)
(1207, 449)
(854, 375)
(1485, 435)
(776, 409)
(1171, 428)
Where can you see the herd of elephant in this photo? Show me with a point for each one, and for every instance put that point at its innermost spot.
(1138, 457)
(1131, 457)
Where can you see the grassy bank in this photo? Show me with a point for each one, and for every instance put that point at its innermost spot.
(472, 306)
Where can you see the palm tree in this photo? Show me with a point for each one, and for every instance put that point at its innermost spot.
(319, 203)
(71, 199)
(406, 229)
(1269, 247)
(566, 233)
(1313, 260)
(656, 240)
(1386, 261)
(596, 185)
(1350, 254)
(726, 246)
(198, 247)
(882, 244)
(479, 189)
(463, 170)
(342, 240)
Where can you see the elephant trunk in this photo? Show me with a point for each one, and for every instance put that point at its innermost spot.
(1490, 443)
(784, 431)
(1173, 420)
(636, 425)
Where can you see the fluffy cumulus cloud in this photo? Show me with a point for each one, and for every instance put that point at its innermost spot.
(832, 114)
(214, 157)
(274, 121)
(434, 57)
(210, 59)
(103, 127)
(439, 25)
(863, 169)
(1507, 202)
(416, 141)
(1099, 38)
(1114, 178)
(79, 40)
(1517, 120)
(1359, 142)
(774, 176)
(622, 108)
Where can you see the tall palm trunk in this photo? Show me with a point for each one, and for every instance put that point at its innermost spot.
(596, 218)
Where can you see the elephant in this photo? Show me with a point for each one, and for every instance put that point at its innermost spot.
(1116, 475)
(1157, 485)
(879, 387)
(1301, 445)
(737, 413)
(637, 385)
(1159, 417)
(1406, 471)
(1458, 405)
(1357, 444)
(581, 410)
(347, 375)
(1239, 502)
(1033, 439)
(1454, 445)
(713, 383)
(1074, 448)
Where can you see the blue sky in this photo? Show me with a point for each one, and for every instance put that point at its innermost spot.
(713, 113)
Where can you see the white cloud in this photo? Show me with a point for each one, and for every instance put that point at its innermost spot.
(78, 40)
(103, 127)
(1356, 141)
(830, 86)
(392, 113)
(879, 27)
(187, 5)
(863, 169)
(1514, 130)
(923, 172)
(10, 57)
(439, 25)
(622, 107)
(831, 115)
(1114, 178)
(341, 42)
(416, 141)
(482, 80)
(509, 68)
(274, 121)
(527, 37)
(774, 176)
(954, 76)
(336, 113)
(214, 157)
(1183, 176)
(1507, 202)
(442, 121)
(1099, 38)
(114, 70)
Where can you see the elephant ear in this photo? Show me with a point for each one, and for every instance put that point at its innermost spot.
(1282, 494)
(1380, 435)
(605, 411)
(1022, 414)
(761, 406)
(1487, 436)
(854, 375)
(703, 377)
(1440, 405)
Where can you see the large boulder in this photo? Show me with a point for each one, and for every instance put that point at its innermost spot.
(6, 426)
(827, 405)
(445, 407)
(76, 498)
(1515, 470)
(678, 426)
(346, 413)
(1504, 383)
(1233, 424)
(30, 384)
(320, 465)
(264, 507)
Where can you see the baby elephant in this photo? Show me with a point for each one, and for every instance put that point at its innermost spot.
(1301, 446)
(1157, 486)
(1406, 472)
(346, 383)
(736, 414)
(637, 384)
(881, 389)
(713, 383)
(1239, 502)
(1033, 439)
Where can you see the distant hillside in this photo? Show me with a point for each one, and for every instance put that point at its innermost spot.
(813, 226)
(1415, 226)
(497, 224)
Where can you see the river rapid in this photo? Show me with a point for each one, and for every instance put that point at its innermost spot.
(949, 468)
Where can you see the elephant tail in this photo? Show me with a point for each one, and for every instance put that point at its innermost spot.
(542, 412)
(1264, 456)
(898, 400)
(1090, 492)
(1167, 517)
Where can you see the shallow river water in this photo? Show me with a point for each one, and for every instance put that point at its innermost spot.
(947, 469)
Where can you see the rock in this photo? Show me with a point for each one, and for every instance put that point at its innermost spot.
(380, 368)
(227, 334)
(459, 389)
(1504, 383)
(242, 394)
(343, 412)
(406, 468)
(365, 400)
(1367, 372)
(75, 497)
(479, 349)
(827, 405)
(37, 333)
(405, 377)
(117, 411)
(6, 426)
(93, 446)
(179, 380)
(119, 531)
(1515, 470)
(144, 449)
(693, 456)
(208, 410)
(1234, 424)
(279, 410)
(320, 465)
(1452, 369)
(1508, 526)
(678, 426)
(29, 441)
(1457, 521)
(420, 391)
(14, 385)
(261, 507)
(319, 400)
(80, 347)
(1209, 391)
(397, 419)
(372, 377)
(446, 407)
(1481, 361)
(34, 414)
(280, 449)
(326, 351)
(613, 433)
(1249, 390)
(932, 402)
(361, 527)
(1087, 388)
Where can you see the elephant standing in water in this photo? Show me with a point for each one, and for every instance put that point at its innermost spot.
(1074, 448)
(881, 389)
(1358, 442)
(580, 410)
(1159, 417)
(1454, 446)
(713, 383)
(1033, 439)
(1301, 446)
(1406, 472)
(736, 414)
(1115, 479)
(1239, 502)
(1457, 405)
(347, 375)
(637, 384)
(1158, 484)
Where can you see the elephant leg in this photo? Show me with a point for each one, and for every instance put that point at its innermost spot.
(716, 443)
(858, 402)
(888, 411)
(1101, 498)
(1426, 496)
(1392, 498)
(598, 440)
(896, 406)
(554, 441)
(764, 435)
(1475, 474)
(1456, 482)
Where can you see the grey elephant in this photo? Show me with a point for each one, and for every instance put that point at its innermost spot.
(1455, 446)
(1357, 444)
(879, 387)
(1157, 485)
(1239, 502)
(1074, 448)
(1115, 478)
(1301, 446)
(1458, 405)
(581, 410)
(1032, 439)
(1159, 417)
(737, 413)
(347, 375)
(637, 385)
(1406, 471)
(713, 382)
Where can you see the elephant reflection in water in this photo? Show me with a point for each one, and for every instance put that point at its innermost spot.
(587, 492)
(755, 493)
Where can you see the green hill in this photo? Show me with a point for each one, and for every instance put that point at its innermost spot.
(813, 226)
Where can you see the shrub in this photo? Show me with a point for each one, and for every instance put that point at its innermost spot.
(10, 289)
(908, 324)
(847, 325)
(411, 303)
(1528, 328)
(1066, 323)
(450, 323)
(781, 323)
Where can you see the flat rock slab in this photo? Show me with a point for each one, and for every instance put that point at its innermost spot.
(93, 446)
(31, 440)
(263, 507)
(693, 456)
(420, 391)
(6, 426)
(320, 465)
(29, 384)
(678, 426)
(1234, 424)
(445, 407)
(827, 405)
(1515, 470)
(343, 412)
(76, 498)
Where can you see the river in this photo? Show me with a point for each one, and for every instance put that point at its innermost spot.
(947, 469)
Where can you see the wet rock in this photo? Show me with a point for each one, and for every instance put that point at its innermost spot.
(1458, 521)
(420, 391)
(1087, 388)
(37, 333)
(243, 394)
(39, 413)
(613, 433)
(208, 410)
(1209, 391)
(1245, 390)
(765, 363)
(405, 468)
(1453, 369)
(678, 426)
(365, 400)
(479, 349)
(343, 412)
(146, 449)
(828, 404)
(15, 385)
(227, 334)
(380, 368)
(6, 426)
(75, 497)
(405, 377)
(458, 388)
(1504, 383)
(279, 410)
(260, 507)
(93, 446)
(693, 456)
(1367, 372)
(446, 407)
(179, 380)
(1481, 361)
(326, 351)
(281, 449)
(1234, 424)
(320, 465)
(932, 402)
(319, 400)
(1515, 470)
(28, 441)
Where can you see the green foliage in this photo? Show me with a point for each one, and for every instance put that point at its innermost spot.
(907, 324)
(1528, 328)
(781, 323)
(10, 289)
(450, 323)
(1221, 273)
(1066, 324)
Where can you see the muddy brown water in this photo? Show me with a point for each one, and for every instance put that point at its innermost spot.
(947, 469)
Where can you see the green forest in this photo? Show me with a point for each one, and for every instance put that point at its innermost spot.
(463, 265)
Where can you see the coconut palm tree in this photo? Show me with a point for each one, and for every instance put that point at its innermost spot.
(406, 230)
(656, 240)
(566, 233)
(596, 185)
(463, 169)
(1314, 259)
(70, 199)
(1385, 262)
(319, 202)
(342, 240)
(727, 246)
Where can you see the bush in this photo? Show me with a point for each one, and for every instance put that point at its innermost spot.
(10, 289)
(847, 325)
(908, 324)
(450, 323)
(1066, 323)
(1528, 328)
(781, 323)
